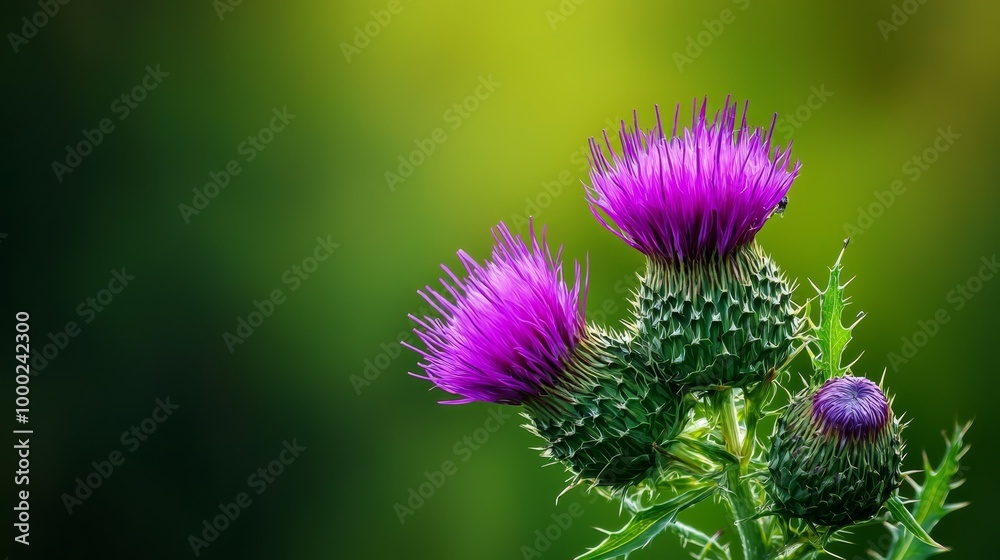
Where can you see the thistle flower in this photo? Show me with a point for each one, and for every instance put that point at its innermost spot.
(711, 309)
(836, 453)
(513, 332)
(703, 194)
(509, 328)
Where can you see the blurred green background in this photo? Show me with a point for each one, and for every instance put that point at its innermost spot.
(532, 81)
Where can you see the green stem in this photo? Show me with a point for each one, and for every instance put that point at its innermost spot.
(731, 424)
(740, 496)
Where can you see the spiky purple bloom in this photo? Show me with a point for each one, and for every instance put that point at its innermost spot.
(851, 408)
(704, 193)
(506, 331)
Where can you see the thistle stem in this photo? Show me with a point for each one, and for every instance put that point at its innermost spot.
(731, 425)
(740, 496)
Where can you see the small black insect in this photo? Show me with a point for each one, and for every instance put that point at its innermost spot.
(780, 208)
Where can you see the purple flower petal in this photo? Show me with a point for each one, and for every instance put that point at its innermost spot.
(704, 193)
(506, 331)
(850, 407)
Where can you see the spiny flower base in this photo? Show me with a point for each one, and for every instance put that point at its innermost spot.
(606, 431)
(723, 322)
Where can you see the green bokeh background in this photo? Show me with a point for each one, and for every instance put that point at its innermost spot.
(561, 81)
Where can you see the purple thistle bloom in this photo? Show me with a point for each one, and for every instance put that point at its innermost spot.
(704, 193)
(850, 407)
(508, 329)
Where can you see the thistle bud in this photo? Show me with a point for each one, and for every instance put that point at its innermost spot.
(835, 454)
(712, 309)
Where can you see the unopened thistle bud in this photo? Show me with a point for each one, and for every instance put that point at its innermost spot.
(513, 332)
(712, 308)
(835, 454)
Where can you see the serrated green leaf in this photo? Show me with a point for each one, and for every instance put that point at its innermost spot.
(931, 499)
(830, 336)
(645, 525)
(903, 516)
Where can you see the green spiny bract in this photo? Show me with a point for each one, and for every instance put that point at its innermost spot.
(606, 429)
(835, 454)
(726, 321)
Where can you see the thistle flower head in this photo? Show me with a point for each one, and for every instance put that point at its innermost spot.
(850, 408)
(506, 330)
(706, 192)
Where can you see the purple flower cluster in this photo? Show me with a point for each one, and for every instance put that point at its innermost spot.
(701, 194)
(850, 407)
(506, 331)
